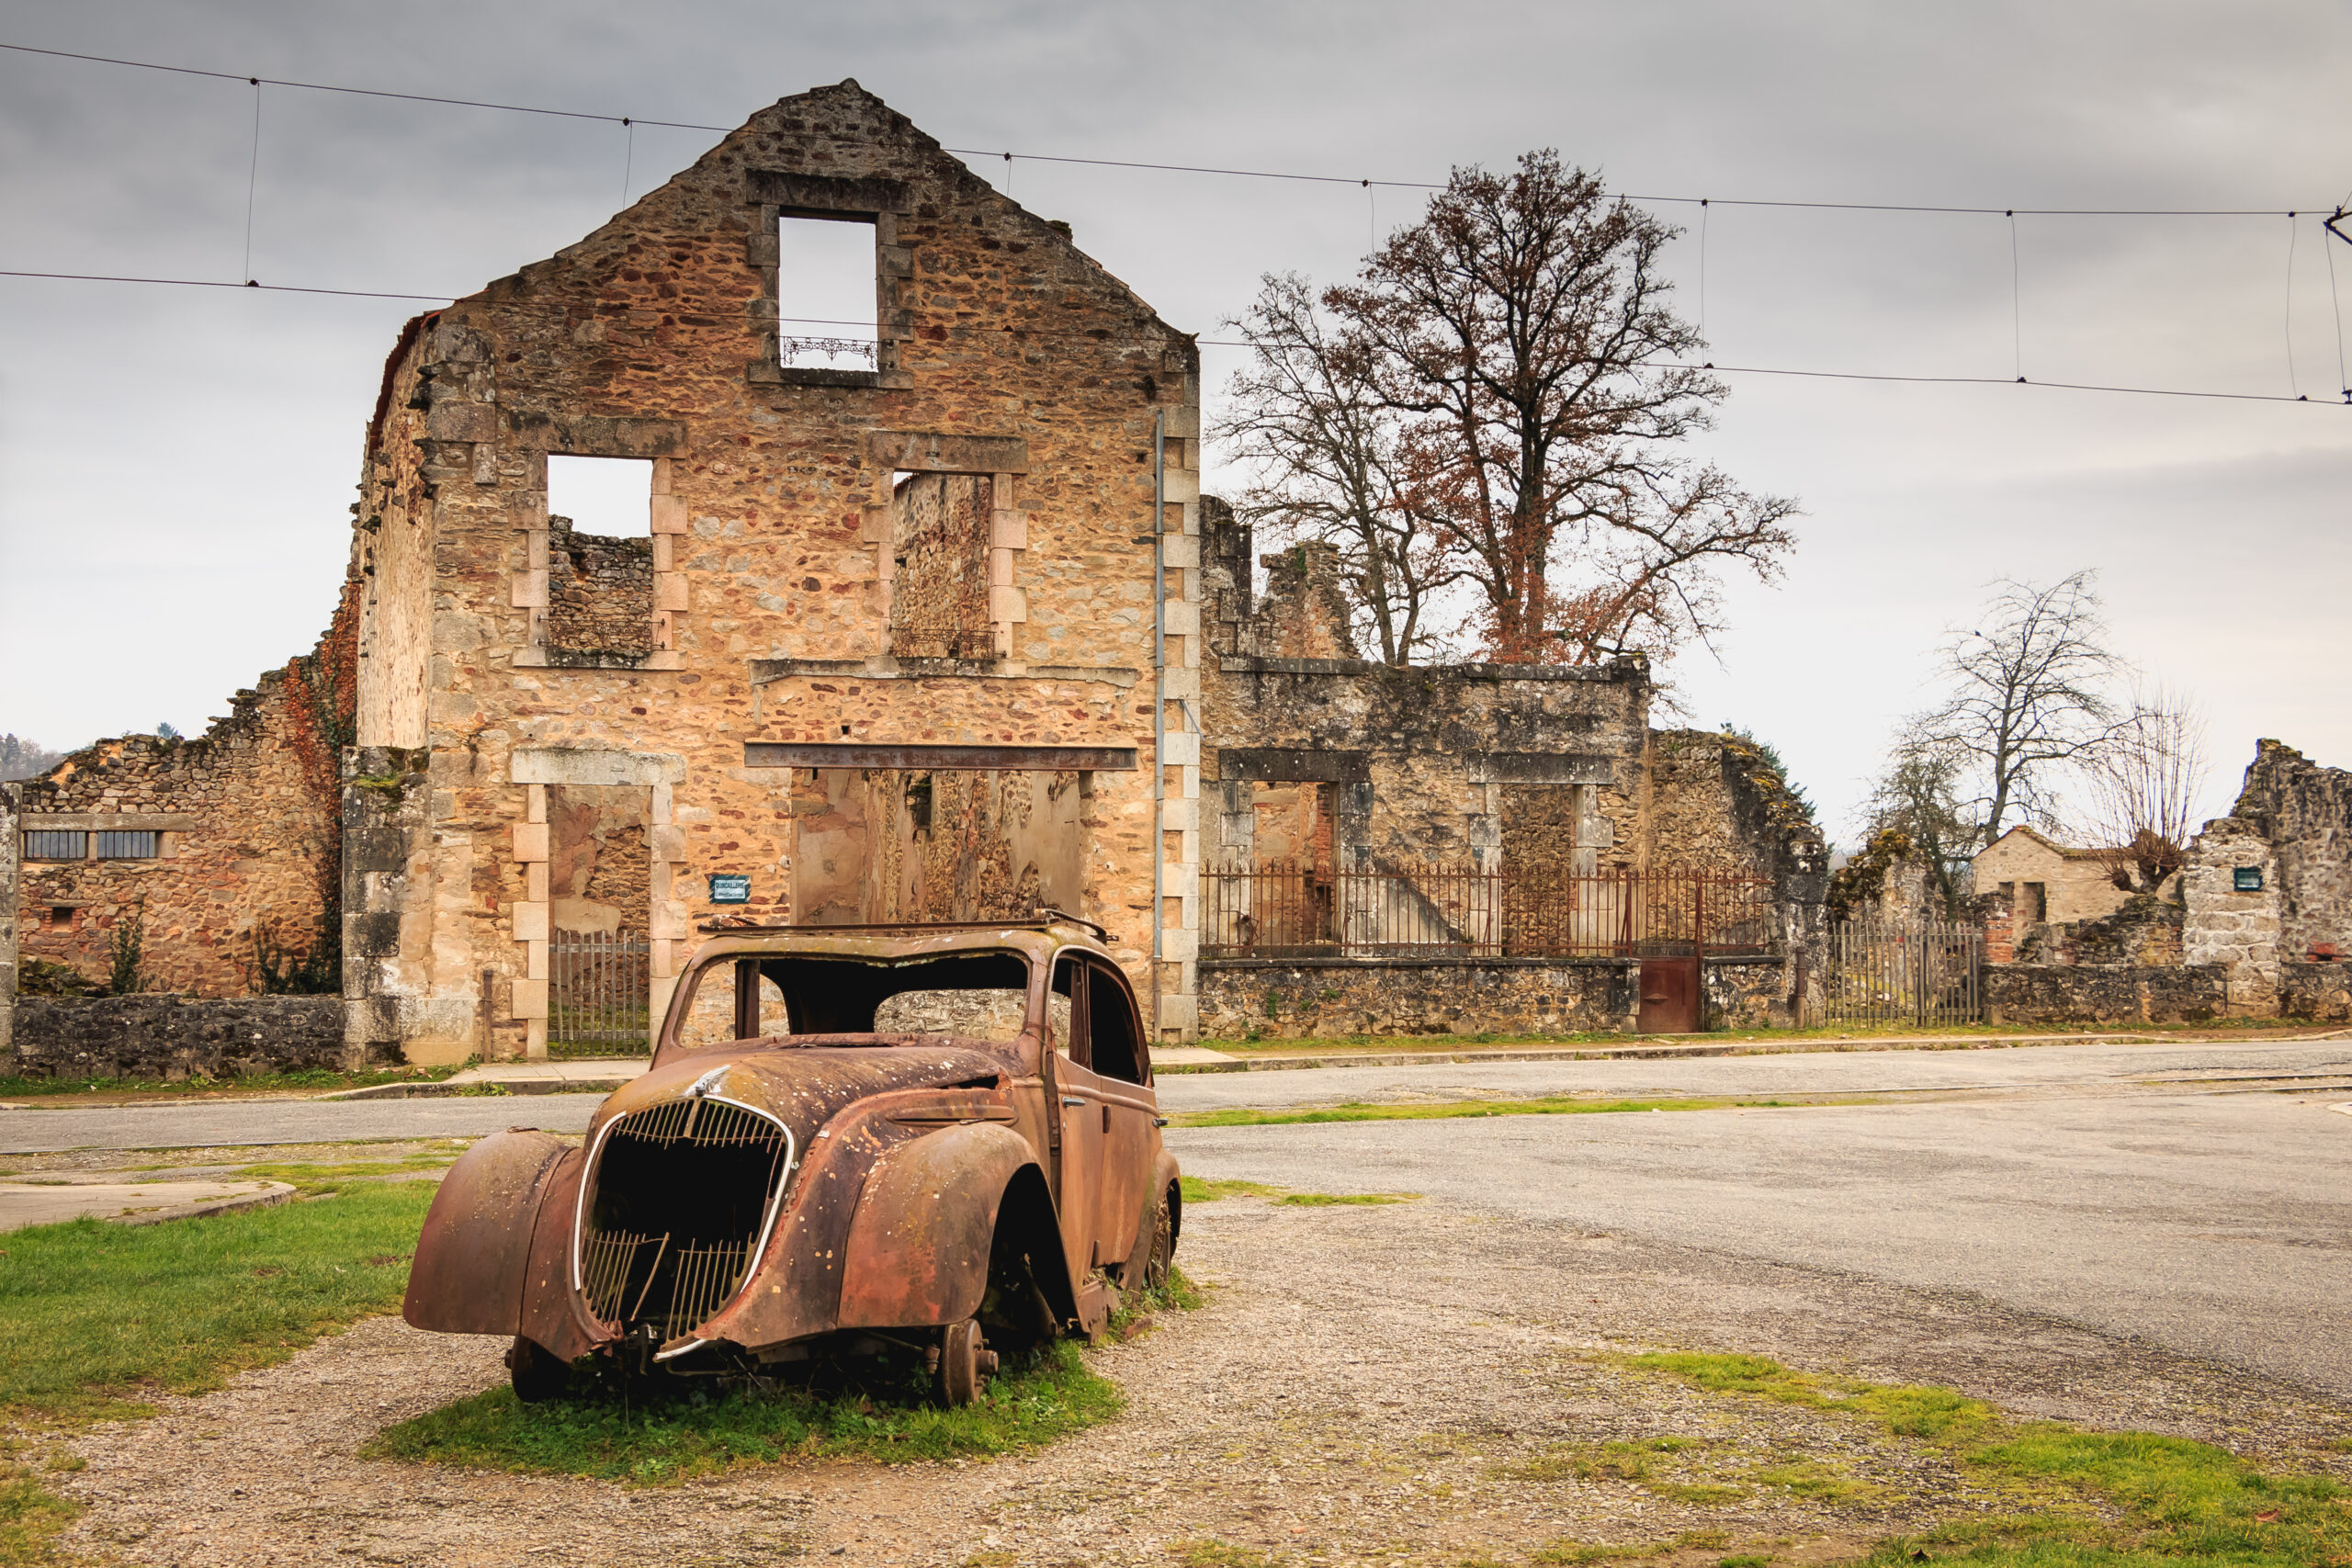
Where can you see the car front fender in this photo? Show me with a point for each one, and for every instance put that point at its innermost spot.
(917, 1249)
(473, 1258)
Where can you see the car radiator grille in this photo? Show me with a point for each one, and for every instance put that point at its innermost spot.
(680, 1193)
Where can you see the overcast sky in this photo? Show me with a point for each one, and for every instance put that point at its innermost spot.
(175, 464)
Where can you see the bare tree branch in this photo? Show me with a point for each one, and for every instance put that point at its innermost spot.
(2144, 784)
(1521, 330)
(2027, 696)
(1324, 447)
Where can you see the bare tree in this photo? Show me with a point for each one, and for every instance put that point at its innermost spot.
(2144, 784)
(22, 759)
(1522, 329)
(2028, 696)
(1306, 418)
(1920, 796)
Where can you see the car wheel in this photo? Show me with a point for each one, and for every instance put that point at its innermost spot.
(538, 1374)
(964, 1362)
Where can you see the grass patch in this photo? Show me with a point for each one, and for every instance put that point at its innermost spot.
(2177, 1502)
(1818, 1481)
(1572, 1551)
(310, 1080)
(1937, 1415)
(31, 1519)
(1033, 1403)
(1335, 1200)
(1199, 1190)
(1218, 1554)
(1558, 1105)
(93, 1314)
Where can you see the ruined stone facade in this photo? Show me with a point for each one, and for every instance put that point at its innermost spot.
(887, 646)
(1314, 758)
(219, 845)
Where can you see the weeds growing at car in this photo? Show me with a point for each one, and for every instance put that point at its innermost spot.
(881, 1411)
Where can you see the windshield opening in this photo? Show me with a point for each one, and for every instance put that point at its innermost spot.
(982, 996)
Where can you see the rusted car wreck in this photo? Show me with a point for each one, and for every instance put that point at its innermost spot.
(952, 1142)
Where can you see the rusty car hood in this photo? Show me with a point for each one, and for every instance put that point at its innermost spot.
(811, 1080)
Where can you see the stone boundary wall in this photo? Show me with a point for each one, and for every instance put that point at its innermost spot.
(2319, 991)
(1332, 996)
(174, 1037)
(2105, 994)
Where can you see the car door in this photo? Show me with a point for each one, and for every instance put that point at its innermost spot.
(1077, 1096)
(1119, 1072)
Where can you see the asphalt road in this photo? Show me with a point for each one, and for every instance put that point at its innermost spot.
(2026, 1067)
(2214, 1224)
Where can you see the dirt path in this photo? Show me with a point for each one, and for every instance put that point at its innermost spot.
(1402, 1384)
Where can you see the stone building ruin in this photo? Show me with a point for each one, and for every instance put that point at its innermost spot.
(927, 623)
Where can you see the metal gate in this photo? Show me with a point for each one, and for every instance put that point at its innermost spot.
(598, 989)
(1918, 972)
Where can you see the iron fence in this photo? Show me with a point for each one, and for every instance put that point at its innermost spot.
(1916, 972)
(598, 989)
(1293, 909)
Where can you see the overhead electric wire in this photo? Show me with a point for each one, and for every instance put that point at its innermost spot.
(1704, 203)
(1228, 343)
(1167, 168)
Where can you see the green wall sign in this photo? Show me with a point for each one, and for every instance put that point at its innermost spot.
(2245, 879)
(729, 887)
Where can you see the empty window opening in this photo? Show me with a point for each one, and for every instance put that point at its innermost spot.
(825, 293)
(60, 918)
(600, 556)
(939, 548)
(56, 843)
(138, 845)
(1293, 823)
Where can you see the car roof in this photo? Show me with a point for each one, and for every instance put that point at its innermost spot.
(1039, 938)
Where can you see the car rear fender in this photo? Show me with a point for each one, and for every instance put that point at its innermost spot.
(919, 1242)
(473, 1258)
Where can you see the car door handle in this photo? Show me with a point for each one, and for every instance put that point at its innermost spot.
(1072, 1099)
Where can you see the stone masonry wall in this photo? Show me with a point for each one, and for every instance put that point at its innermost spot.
(243, 836)
(175, 1038)
(2237, 931)
(1003, 351)
(2320, 991)
(1314, 998)
(2305, 812)
(2145, 930)
(600, 594)
(2103, 993)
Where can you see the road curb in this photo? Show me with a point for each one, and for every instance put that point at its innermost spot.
(480, 1088)
(1644, 1052)
(276, 1192)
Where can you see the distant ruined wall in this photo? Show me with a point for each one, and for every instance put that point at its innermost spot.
(242, 837)
(2305, 813)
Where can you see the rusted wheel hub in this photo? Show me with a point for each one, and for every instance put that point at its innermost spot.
(964, 1362)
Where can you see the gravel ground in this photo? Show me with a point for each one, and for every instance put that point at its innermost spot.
(1403, 1385)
